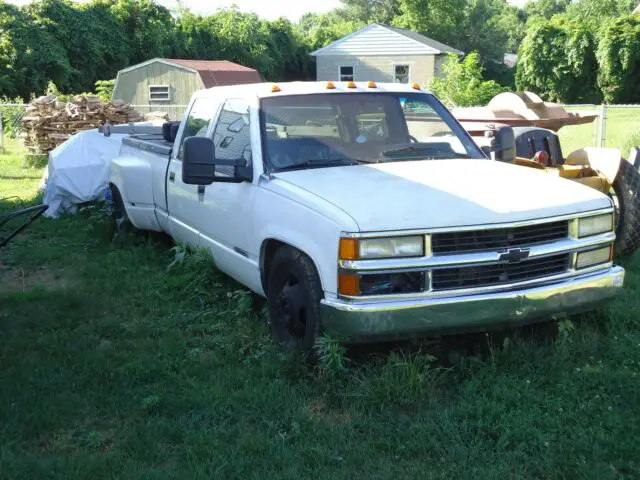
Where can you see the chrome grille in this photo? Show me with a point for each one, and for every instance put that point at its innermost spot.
(489, 275)
(498, 238)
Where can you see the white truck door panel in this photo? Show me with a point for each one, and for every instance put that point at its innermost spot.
(184, 201)
(227, 217)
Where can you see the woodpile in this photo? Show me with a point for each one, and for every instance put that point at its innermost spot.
(48, 122)
(152, 116)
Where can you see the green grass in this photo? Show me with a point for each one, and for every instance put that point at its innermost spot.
(619, 128)
(113, 365)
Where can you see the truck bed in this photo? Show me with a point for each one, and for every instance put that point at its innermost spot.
(154, 143)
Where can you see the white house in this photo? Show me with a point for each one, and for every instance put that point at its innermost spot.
(384, 54)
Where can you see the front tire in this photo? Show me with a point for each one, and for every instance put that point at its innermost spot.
(294, 293)
(626, 188)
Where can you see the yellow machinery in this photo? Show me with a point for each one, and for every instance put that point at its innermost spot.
(535, 124)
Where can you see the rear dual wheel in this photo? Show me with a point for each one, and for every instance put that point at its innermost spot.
(122, 224)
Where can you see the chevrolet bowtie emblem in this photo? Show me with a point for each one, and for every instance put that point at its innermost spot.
(514, 255)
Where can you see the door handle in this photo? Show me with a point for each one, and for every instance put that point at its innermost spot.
(172, 176)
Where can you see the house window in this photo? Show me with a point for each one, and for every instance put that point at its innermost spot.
(346, 73)
(401, 73)
(159, 93)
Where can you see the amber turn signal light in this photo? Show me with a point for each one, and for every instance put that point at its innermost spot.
(348, 249)
(275, 88)
(351, 85)
(415, 86)
(371, 85)
(330, 86)
(348, 284)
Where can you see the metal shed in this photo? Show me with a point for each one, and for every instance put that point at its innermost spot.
(169, 81)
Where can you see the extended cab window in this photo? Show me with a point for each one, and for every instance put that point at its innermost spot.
(323, 130)
(232, 136)
(198, 121)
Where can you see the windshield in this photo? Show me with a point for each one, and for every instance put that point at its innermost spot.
(319, 130)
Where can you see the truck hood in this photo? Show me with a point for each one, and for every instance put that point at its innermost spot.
(444, 193)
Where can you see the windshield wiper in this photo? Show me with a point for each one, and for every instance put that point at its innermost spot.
(319, 163)
(420, 152)
(403, 150)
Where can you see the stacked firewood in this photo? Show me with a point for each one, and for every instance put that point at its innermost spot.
(48, 122)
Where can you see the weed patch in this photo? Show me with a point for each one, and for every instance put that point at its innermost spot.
(131, 358)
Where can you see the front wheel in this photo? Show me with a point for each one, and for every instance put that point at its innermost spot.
(624, 193)
(294, 293)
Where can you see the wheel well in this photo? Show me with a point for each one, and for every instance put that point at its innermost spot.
(268, 251)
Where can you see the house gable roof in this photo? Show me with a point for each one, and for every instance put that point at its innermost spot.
(212, 72)
(378, 39)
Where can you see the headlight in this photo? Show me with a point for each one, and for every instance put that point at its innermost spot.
(391, 247)
(384, 247)
(594, 225)
(591, 258)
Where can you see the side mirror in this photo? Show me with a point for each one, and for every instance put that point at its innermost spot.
(505, 145)
(198, 162)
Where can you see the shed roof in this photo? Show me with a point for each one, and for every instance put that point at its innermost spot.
(379, 39)
(212, 72)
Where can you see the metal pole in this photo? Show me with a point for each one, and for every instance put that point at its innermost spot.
(603, 123)
(594, 135)
(1, 134)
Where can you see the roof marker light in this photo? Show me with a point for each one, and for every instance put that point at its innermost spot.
(330, 86)
(275, 88)
(351, 85)
(415, 86)
(372, 84)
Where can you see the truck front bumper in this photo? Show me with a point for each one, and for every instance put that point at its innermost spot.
(364, 321)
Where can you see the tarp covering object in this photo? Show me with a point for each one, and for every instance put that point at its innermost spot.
(78, 170)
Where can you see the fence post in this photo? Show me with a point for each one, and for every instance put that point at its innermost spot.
(603, 124)
(1, 134)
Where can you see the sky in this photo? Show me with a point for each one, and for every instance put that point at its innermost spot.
(268, 9)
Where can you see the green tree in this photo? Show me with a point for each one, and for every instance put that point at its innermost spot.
(438, 19)
(619, 60)
(368, 11)
(594, 12)
(557, 61)
(319, 30)
(545, 8)
(462, 84)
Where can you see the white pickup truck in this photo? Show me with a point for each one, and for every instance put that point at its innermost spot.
(365, 210)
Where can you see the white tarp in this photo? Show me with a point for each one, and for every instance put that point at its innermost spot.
(78, 170)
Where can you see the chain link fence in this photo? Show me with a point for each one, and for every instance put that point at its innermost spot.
(616, 126)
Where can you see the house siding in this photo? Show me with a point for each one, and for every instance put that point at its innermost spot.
(133, 86)
(377, 40)
(377, 68)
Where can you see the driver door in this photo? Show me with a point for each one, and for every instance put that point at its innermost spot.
(184, 202)
(227, 208)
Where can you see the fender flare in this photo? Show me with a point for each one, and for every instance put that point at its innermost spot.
(265, 257)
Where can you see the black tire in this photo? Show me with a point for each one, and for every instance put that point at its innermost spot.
(123, 225)
(626, 188)
(294, 292)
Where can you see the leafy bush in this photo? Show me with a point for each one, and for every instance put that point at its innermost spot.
(632, 141)
(11, 115)
(619, 60)
(557, 60)
(104, 89)
(462, 84)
